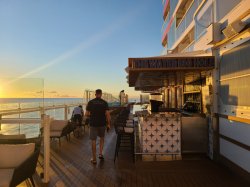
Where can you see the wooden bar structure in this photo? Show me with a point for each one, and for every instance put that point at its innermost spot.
(158, 68)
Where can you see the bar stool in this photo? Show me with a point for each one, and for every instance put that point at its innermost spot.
(125, 138)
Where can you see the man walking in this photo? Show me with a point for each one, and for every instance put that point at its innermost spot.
(98, 112)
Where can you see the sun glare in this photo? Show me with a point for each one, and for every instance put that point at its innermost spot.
(2, 89)
(1, 92)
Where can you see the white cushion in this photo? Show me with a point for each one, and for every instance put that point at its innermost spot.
(128, 129)
(136, 119)
(58, 125)
(13, 155)
(55, 133)
(5, 177)
(129, 125)
(15, 136)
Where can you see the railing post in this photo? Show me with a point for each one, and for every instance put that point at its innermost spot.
(66, 112)
(46, 143)
(68, 109)
(0, 121)
(19, 108)
(87, 96)
(42, 112)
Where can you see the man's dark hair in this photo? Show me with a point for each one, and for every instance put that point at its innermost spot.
(98, 91)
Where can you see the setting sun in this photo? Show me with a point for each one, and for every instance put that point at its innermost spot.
(1, 91)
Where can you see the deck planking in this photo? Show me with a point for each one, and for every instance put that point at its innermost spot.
(71, 167)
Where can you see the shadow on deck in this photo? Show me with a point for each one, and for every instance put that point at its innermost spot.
(70, 166)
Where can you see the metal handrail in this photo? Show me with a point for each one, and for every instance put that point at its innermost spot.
(21, 120)
(35, 109)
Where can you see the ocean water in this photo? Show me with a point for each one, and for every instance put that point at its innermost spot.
(33, 130)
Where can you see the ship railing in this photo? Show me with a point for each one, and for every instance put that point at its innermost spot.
(90, 94)
(36, 109)
(44, 121)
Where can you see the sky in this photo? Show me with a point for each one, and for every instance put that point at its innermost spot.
(68, 46)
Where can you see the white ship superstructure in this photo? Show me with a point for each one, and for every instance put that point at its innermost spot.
(204, 67)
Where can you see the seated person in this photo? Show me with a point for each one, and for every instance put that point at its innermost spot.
(78, 114)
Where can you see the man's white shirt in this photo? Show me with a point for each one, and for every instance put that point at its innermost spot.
(77, 110)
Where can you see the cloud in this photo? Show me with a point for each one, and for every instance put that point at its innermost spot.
(31, 92)
(52, 92)
(65, 96)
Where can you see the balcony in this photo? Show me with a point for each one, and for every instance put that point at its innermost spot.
(171, 17)
(179, 22)
(165, 34)
(189, 48)
(204, 21)
(185, 44)
(171, 38)
(166, 9)
(164, 27)
(186, 19)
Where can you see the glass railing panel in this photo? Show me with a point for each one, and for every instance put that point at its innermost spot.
(166, 7)
(165, 24)
(171, 35)
(18, 94)
(203, 22)
(173, 4)
(181, 28)
(187, 19)
(189, 48)
(164, 51)
(190, 14)
(21, 93)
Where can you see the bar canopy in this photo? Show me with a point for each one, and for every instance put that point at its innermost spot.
(151, 73)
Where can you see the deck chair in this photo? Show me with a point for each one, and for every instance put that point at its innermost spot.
(58, 129)
(14, 170)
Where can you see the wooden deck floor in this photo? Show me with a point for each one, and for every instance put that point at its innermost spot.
(70, 166)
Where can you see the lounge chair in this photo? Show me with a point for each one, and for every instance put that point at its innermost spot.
(58, 129)
(16, 169)
(12, 139)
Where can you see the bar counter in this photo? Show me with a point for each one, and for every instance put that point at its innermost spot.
(171, 133)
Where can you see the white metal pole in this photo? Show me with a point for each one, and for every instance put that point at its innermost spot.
(66, 112)
(46, 142)
(19, 108)
(0, 122)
